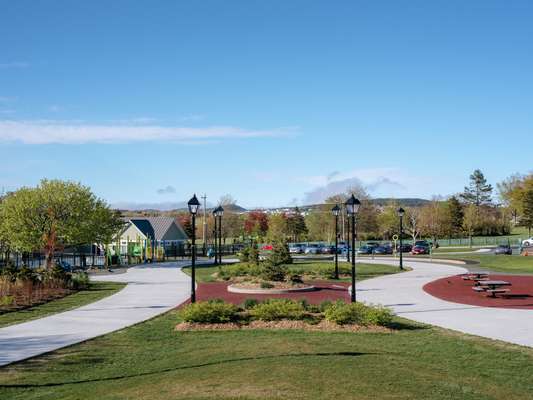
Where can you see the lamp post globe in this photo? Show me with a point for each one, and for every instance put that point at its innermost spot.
(336, 210)
(401, 213)
(352, 208)
(193, 205)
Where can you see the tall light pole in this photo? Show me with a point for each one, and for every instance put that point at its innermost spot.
(352, 207)
(401, 213)
(193, 205)
(220, 213)
(215, 231)
(336, 211)
(204, 226)
(347, 239)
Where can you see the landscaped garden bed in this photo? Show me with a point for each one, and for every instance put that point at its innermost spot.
(284, 314)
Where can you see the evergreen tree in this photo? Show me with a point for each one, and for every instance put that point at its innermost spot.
(296, 224)
(456, 215)
(478, 192)
(527, 210)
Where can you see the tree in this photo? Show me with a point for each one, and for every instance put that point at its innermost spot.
(412, 222)
(296, 225)
(479, 192)
(527, 210)
(433, 219)
(56, 214)
(184, 219)
(277, 227)
(321, 224)
(470, 221)
(388, 221)
(455, 210)
(256, 223)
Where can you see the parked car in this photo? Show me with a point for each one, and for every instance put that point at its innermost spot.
(383, 250)
(503, 249)
(296, 248)
(365, 250)
(313, 249)
(406, 248)
(527, 242)
(267, 247)
(420, 249)
(327, 249)
(422, 243)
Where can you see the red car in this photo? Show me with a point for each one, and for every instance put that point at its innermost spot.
(267, 247)
(420, 250)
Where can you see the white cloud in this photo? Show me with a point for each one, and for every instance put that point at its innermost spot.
(14, 64)
(72, 132)
(167, 190)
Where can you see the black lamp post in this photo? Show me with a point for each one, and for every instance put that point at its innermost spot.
(401, 213)
(215, 231)
(193, 205)
(352, 207)
(218, 213)
(336, 211)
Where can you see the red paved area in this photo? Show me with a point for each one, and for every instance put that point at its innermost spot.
(326, 291)
(457, 290)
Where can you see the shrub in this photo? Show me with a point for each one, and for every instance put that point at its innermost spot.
(266, 285)
(357, 313)
(209, 312)
(323, 306)
(280, 254)
(276, 309)
(80, 280)
(244, 255)
(241, 269)
(274, 272)
(250, 303)
(294, 278)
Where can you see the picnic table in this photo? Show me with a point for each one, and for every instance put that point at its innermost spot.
(492, 287)
(476, 277)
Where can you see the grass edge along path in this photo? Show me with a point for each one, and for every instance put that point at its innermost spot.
(95, 291)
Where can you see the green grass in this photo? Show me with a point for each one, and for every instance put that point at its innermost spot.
(497, 263)
(95, 291)
(152, 361)
(204, 273)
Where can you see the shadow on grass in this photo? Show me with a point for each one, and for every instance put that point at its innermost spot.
(186, 367)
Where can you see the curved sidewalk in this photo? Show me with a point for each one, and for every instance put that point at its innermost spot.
(404, 294)
(150, 291)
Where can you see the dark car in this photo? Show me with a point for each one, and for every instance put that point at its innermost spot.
(405, 248)
(383, 250)
(503, 249)
(420, 249)
(65, 266)
(328, 249)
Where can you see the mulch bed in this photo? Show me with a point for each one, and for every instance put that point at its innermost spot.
(457, 290)
(325, 291)
(284, 324)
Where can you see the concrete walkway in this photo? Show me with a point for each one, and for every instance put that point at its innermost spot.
(404, 294)
(150, 291)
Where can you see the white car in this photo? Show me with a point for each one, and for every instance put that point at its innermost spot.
(528, 242)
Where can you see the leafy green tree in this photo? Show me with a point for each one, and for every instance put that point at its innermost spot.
(388, 221)
(527, 210)
(277, 227)
(470, 221)
(478, 192)
(56, 214)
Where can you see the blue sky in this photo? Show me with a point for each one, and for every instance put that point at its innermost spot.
(274, 102)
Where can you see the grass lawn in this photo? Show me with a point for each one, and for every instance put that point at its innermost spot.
(151, 361)
(364, 271)
(500, 263)
(95, 291)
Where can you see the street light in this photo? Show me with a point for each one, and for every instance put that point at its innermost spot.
(401, 213)
(336, 211)
(352, 207)
(215, 231)
(193, 205)
(218, 212)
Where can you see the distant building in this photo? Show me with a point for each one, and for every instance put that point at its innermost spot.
(162, 232)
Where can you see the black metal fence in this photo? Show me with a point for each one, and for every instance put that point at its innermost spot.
(96, 260)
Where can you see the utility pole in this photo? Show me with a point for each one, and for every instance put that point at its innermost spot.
(204, 230)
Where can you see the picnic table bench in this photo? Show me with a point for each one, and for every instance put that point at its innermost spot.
(492, 287)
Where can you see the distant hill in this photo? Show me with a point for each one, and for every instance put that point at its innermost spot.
(165, 209)
(407, 202)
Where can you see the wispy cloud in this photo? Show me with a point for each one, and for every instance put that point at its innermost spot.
(167, 190)
(14, 64)
(70, 132)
